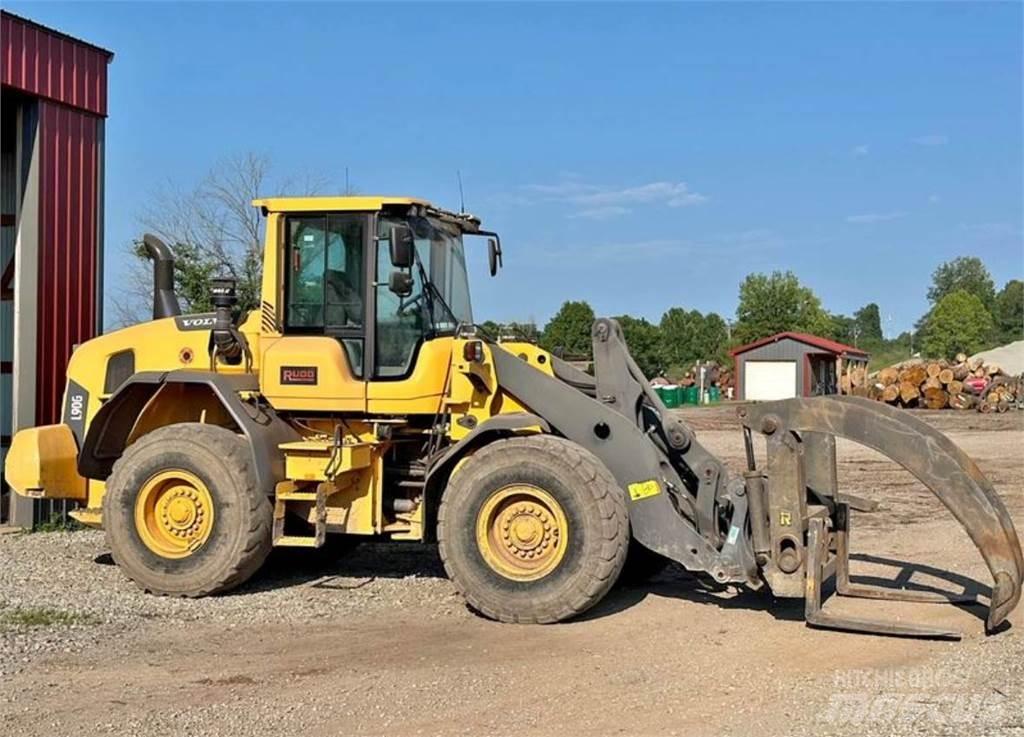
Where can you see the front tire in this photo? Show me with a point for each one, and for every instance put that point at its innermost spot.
(183, 513)
(533, 530)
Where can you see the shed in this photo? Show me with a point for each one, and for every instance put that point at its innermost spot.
(53, 105)
(791, 364)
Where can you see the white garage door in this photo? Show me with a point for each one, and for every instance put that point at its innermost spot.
(766, 380)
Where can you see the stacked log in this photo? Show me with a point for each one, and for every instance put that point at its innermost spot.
(966, 383)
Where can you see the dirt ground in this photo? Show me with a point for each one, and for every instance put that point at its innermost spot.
(377, 642)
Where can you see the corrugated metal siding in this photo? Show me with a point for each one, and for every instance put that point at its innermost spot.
(786, 349)
(68, 195)
(53, 66)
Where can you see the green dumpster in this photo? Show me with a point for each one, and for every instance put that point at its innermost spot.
(670, 395)
(714, 394)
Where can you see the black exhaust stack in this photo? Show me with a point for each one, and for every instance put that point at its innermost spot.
(165, 302)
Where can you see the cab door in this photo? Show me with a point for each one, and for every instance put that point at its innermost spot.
(319, 362)
(410, 359)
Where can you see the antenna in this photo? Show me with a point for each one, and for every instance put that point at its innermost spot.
(462, 197)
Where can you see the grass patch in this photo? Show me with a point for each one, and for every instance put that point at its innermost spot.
(42, 617)
(58, 524)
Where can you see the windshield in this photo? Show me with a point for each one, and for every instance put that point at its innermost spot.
(441, 255)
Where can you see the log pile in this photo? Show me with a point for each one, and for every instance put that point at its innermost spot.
(961, 384)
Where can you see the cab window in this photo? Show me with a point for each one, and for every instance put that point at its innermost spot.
(324, 283)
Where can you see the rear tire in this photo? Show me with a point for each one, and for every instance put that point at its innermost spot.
(542, 576)
(230, 532)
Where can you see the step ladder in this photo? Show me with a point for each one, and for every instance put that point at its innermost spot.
(281, 501)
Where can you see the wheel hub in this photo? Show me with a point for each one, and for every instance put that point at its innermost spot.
(521, 532)
(174, 513)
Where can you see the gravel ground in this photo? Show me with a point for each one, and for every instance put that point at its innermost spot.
(72, 574)
(377, 640)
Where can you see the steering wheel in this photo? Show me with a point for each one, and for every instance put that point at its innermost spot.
(404, 307)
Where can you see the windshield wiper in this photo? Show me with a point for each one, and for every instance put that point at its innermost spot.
(431, 292)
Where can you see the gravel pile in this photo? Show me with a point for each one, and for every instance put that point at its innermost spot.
(61, 591)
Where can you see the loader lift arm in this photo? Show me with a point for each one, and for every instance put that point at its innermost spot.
(785, 526)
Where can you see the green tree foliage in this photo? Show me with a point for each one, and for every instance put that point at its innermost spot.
(868, 320)
(966, 273)
(569, 330)
(776, 303)
(689, 336)
(193, 271)
(644, 341)
(679, 329)
(959, 323)
(1009, 311)
(492, 328)
(863, 330)
(527, 331)
(213, 230)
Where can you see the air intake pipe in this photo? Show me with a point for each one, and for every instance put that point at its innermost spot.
(228, 344)
(165, 302)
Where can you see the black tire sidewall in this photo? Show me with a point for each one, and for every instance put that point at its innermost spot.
(570, 503)
(559, 594)
(201, 454)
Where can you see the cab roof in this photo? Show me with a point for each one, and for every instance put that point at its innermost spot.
(363, 203)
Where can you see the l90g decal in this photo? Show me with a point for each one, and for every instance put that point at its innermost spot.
(76, 404)
(303, 375)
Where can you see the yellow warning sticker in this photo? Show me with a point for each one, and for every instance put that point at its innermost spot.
(644, 489)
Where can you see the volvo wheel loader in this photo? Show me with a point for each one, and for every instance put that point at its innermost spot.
(360, 399)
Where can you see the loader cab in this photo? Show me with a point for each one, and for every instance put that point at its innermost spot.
(343, 325)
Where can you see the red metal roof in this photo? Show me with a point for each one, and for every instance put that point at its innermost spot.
(829, 346)
(50, 64)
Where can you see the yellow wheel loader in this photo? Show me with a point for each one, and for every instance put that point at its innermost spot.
(360, 399)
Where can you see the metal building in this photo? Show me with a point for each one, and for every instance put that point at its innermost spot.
(53, 102)
(788, 365)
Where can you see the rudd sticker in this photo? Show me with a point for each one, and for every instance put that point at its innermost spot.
(298, 375)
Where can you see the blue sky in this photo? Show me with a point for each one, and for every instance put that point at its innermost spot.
(639, 158)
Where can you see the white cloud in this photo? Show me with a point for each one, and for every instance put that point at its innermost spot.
(861, 150)
(602, 213)
(874, 217)
(606, 201)
(932, 139)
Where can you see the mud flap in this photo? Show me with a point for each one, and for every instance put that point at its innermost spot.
(930, 456)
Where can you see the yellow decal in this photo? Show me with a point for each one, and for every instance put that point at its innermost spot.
(785, 519)
(644, 489)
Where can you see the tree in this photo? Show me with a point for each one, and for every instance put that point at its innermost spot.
(213, 230)
(679, 335)
(864, 329)
(967, 273)
(569, 330)
(776, 303)
(1009, 311)
(868, 322)
(959, 323)
(714, 338)
(644, 343)
(492, 328)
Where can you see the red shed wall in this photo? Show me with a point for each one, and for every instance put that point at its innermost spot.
(48, 65)
(69, 161)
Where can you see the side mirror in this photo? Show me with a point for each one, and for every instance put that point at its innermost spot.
(494, 255)
(402, 247)
(400, 282)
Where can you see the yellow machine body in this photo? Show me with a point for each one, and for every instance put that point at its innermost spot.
(42, 461)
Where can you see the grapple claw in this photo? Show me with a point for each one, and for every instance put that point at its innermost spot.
(806, 516)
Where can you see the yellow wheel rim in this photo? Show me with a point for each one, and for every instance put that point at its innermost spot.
(174, 513)
(522, 532)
